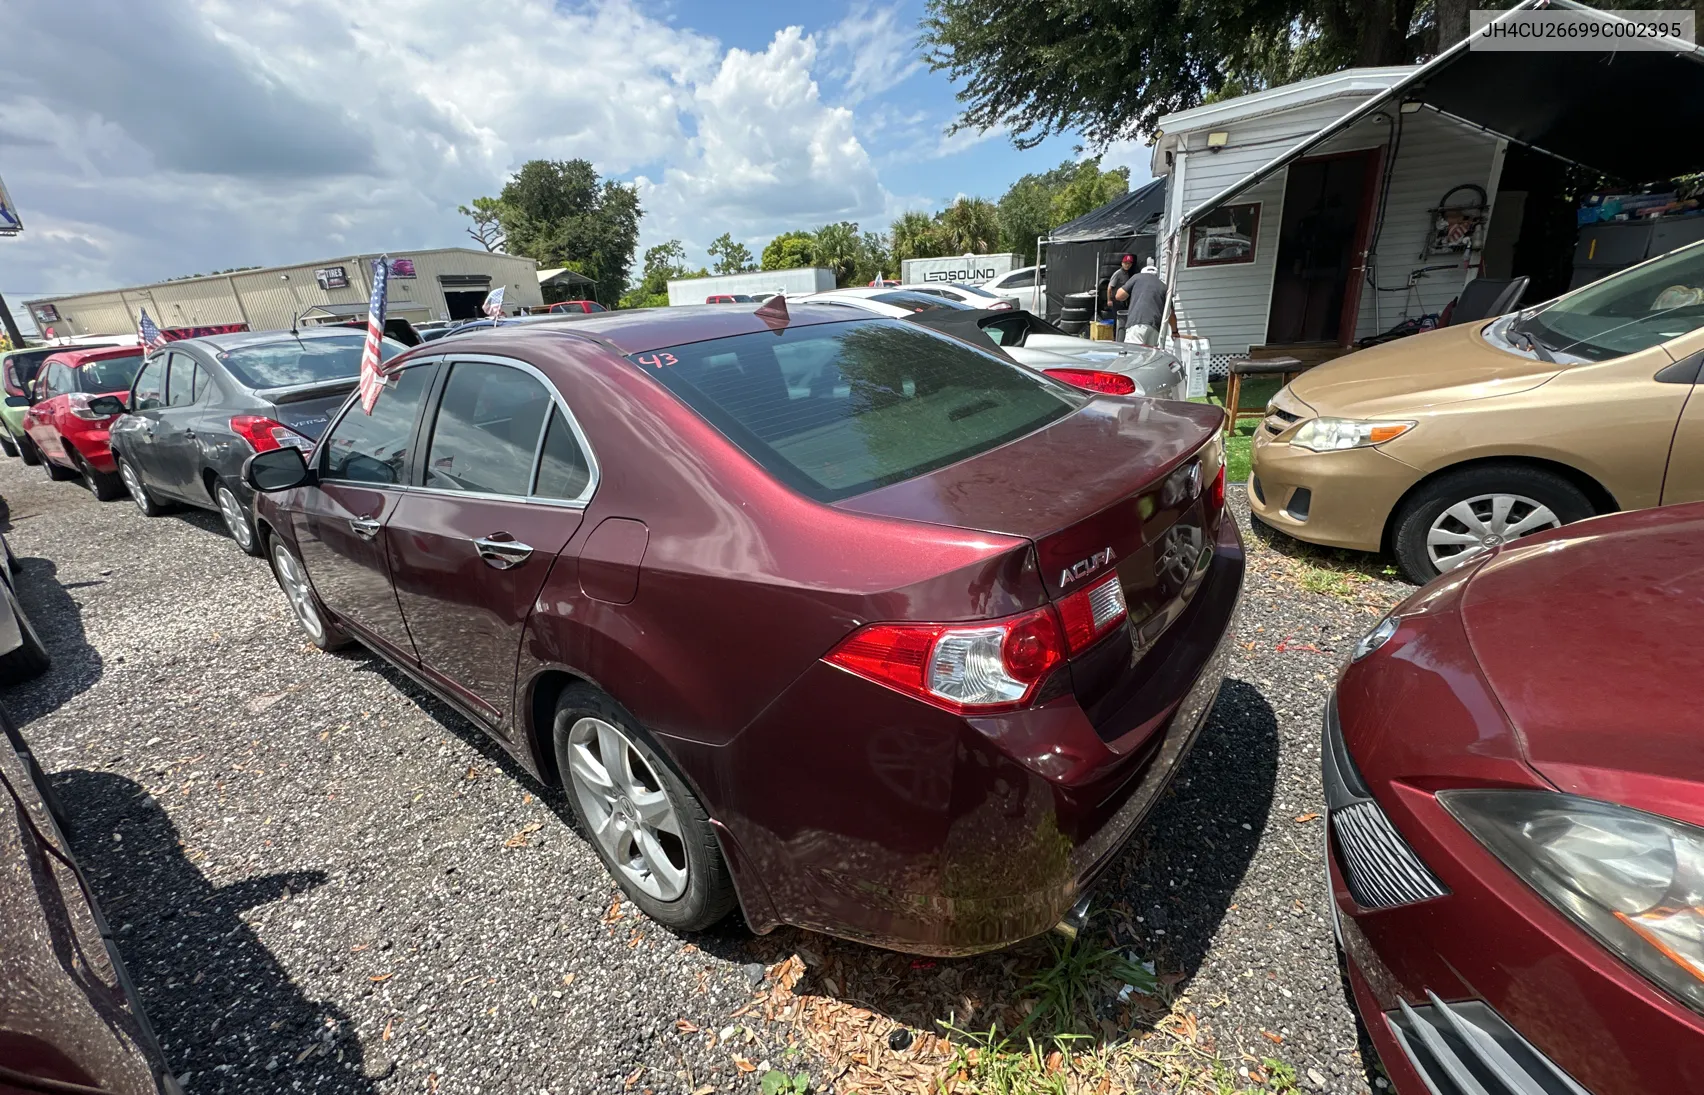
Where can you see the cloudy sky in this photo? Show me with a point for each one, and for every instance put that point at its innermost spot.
(153, 138)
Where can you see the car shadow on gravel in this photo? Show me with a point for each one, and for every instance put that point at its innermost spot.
(1162, 901)
(224, 1008)
(58, 619)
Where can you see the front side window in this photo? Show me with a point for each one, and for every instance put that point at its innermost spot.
(290, 361)
(1626, 312)
(836, 409)
(488, 430)
(373, 448)
(150, 389)
(115, 374)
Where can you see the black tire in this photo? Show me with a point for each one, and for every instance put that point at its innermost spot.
(57, 473)
(238, 521)
(27, 452)
(709, 891)
(106, 486)
(7, 445)
(318, 627)
(30, 659)
(1421, 509)
(139, 493)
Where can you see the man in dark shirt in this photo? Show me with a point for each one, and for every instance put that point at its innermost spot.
(1143, 295)
(1115, 298)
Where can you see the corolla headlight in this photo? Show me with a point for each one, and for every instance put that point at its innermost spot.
(1334, 434)
(1375, 638)
(1634, 880)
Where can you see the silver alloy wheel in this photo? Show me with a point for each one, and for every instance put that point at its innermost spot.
(628, 808)
(133, 484)
(236, 521)
(296, 588)
(1475, 525)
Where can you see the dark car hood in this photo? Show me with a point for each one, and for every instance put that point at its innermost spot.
(1587, 637)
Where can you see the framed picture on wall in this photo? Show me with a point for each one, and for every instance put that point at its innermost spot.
(1225, 236)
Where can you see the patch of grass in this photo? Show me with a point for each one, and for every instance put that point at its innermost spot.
(776, 1082)
(1240, 443)
(1082, 973)
(984, 1063)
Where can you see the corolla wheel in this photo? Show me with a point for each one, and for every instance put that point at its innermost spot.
(627, 808)
(294, 582)
(1475, 525)
(236, 520)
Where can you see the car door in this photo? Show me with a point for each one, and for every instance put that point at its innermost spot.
(176, 450)
(133, 434)
(501, 487)
(1684, 481)
(362, 468)
(42, 423)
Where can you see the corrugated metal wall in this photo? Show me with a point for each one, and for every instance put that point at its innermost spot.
(1229, 304)
(267, 299)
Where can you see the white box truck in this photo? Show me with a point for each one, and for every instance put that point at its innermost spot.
(969, 269)
(795, 282)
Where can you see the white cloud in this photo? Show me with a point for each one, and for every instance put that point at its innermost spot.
(871, 50)
(1136, 155)
(214, 133)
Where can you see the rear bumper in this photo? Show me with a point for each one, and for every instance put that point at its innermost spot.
(94, 445)
(858, 812)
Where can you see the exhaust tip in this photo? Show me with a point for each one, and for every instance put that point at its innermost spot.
(1074, 919)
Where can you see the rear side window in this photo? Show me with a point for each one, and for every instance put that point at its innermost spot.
(836, 409)
(373, 448)
(562, 467)
(488, 430)
(115, 374)
(289, 361)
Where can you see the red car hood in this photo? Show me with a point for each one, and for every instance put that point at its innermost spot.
(1587, 636)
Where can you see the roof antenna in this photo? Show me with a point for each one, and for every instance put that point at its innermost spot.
(295, 317)
(773, 312)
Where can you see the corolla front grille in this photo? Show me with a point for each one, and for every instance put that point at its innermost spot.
(1466, 1048)
(1379, 867)
(1283, 416)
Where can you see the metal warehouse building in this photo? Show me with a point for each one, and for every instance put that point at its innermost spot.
(445, 283)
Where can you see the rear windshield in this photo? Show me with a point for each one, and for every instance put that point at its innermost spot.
(914, 301)
(26, 363)
(115, 374)
(289, 361)
(836, 409)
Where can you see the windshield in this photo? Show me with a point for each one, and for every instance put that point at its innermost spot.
(913, 301)
(836, 409)
(1626, 312)
(289, 361)
(115, 374)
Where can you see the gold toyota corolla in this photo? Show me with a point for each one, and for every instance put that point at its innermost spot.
(1442, 446)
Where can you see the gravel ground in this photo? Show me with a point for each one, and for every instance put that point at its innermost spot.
(325, 881)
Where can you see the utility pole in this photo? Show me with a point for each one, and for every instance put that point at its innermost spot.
(12, 331)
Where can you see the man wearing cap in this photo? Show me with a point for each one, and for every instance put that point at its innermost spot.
(1117, 300)
(1143, 297)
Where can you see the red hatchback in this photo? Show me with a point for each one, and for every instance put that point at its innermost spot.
(834, 617)
(1515, 774)
(72, 439)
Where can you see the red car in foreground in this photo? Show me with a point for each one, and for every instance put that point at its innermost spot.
(1514, 766)
(827, 614)
(71, 438)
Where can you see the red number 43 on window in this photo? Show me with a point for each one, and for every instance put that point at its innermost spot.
(657, 360)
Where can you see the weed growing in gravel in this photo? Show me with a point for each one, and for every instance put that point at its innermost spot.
(983, 1063)
(775, 1082)
(1082, 974)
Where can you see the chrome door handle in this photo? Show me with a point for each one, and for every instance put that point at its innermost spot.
(502, 554)
(365, 527)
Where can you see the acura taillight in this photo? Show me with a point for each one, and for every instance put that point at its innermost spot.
(78, 404)
(263, 433)
(1216, 495)
(982, 669)
(1091, 612)
(1095, 380)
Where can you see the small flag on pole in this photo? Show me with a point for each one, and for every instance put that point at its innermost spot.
(494, 303)
(372, 380)
(148, 334)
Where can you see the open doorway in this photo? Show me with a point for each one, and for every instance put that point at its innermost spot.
(464, 304)
(1316, 290)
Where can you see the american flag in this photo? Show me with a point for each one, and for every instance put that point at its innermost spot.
(148, 334)
(494, 302)
(372, 380)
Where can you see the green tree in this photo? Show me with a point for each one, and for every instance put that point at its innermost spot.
(915, 235)
(789, 251)
(1110, 68)
(731, 257)
(1089, 188)
(969, 226)
(662, 262)
(487, 217)
(838, 247)
(875, 258)
(562, 214)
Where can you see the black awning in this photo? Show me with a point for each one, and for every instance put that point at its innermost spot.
(1128, 216)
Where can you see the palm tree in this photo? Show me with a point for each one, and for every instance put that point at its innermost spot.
(970, 226)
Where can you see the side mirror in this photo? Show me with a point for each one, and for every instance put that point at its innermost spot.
(276, 469)
(17, 401)
(106, 404)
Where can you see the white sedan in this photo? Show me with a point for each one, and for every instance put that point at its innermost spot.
(1026, 288)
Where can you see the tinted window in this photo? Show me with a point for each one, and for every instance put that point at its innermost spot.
(487, 432)
(180, 381)
(150, 389)
(25, 364)
(373, 448)
(290, 361)
(115, 374)
(839, 408)
(562, 468)
(916, 302)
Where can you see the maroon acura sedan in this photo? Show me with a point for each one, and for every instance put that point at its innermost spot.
(1514, 765)
(826, 615)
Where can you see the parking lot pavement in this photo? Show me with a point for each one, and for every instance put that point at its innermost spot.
(325, 881)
